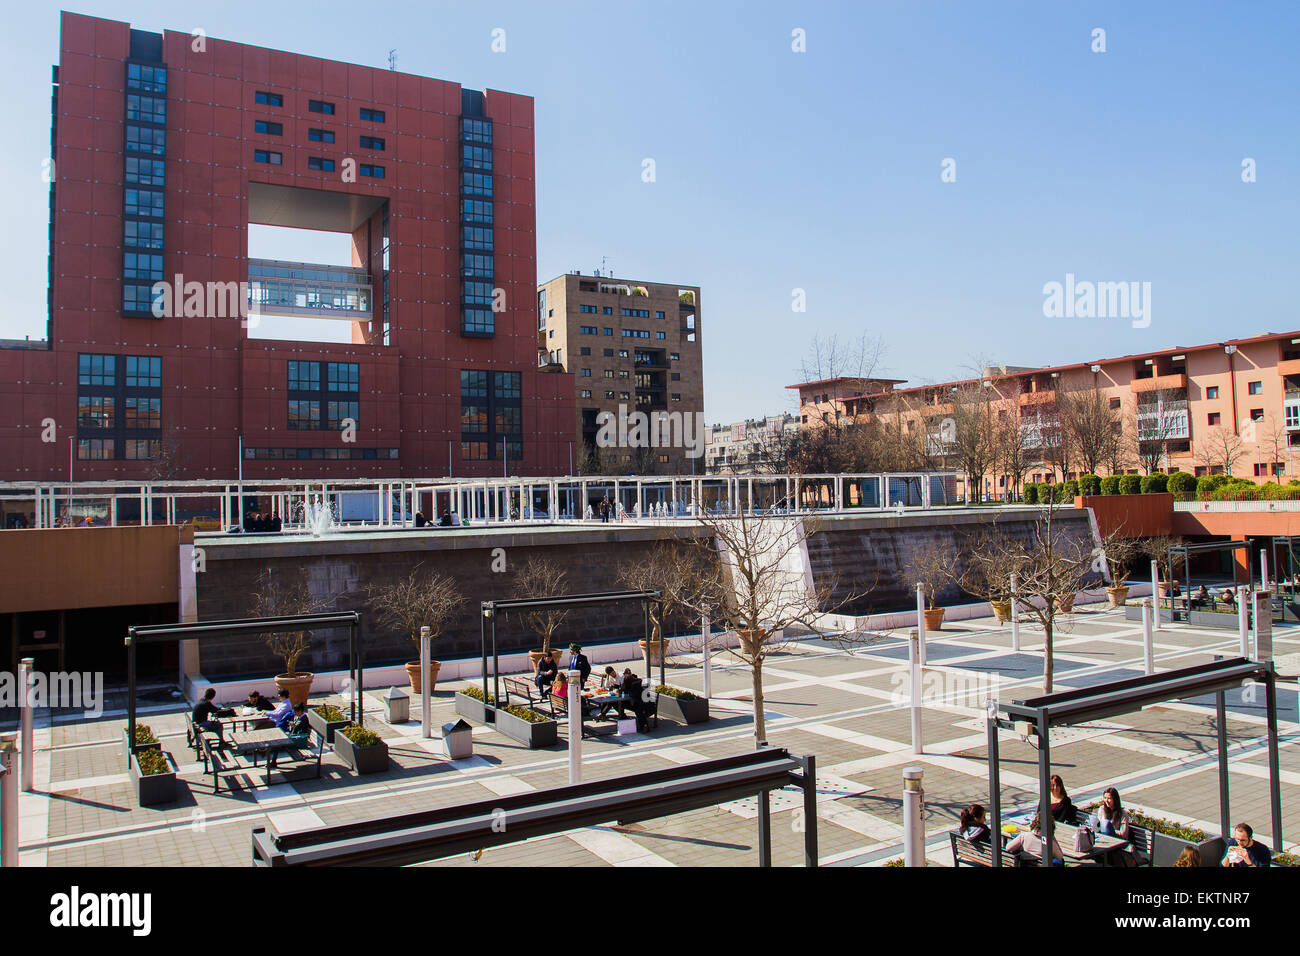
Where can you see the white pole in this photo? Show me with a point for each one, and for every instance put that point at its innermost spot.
(1249, 598)
(1155, 594)
(706, 635)
(426, 711)
(1263, 569)
(920, 622)
(913, 812)
(1243, 624)
(575, 726)
(1148, 649)
(9, 800)
(1015, 619)
(914, 666)
(29, 738)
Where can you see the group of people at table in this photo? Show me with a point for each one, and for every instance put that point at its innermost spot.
(1109, 819)
(621, 690)
(281, 714)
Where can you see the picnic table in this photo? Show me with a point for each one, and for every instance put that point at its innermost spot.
(1064, 834)
(268, 741)
(599, 702)
(242, 720)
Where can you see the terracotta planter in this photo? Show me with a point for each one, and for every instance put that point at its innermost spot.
(1165, 588)
(1065, 603)
(934, 619)
(413, 675)
(657, 649)
(535, 656)
(1000, 608)
(1117, 595)
(298, 686)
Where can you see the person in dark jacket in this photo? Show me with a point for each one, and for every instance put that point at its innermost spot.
(445, 521)
(276, 524)
(206, 710)
(1063, 810)
(545, 676)
(578, 660)
(420, 519)
(972, 825)
(634, 690)
(259, 701)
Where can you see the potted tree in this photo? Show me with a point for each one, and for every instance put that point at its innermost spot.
(419, 600)
(541, 576)
(1119, 554)
(1157, 549)
(989, 579)
(361, 749)
(287, 593)
(153, 774)
(326, 719)
(929, 565)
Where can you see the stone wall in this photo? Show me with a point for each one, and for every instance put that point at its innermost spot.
(863, 554)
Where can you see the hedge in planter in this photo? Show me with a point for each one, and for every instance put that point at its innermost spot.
(326, 720)
(363, 750)
(529, 727)
(1110, 485)
(681, 705)
(1154, 484)
(144, 740)
(1130, 484)
(1089, 485)
(1180, 481)
(154, 774)
(470, 703)
(1030, 493)
(1169, 838)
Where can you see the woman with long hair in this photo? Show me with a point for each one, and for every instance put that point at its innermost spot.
(1063, 810)
(972, 825)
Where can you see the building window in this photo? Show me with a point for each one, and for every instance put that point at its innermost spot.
(339, 399)
(622, 373)
(587, 309)
(623, 396)
(609, 395)
(143, 371)
(145, 172)
(126, 406)
(491, 414)
(1114, 403)
(267, 127)
(148, 79)
(140, 265)
(635, 313)
(586, 330)
(321, 163)
(1257, 414)
(585, 393)
(585, 373)
(607, 310)
(266, 156)
(608, 331)
(146, 139)
(1255, 388)
(95, 449)
(268, 99)
(661, 335)
(609, 353)
(675, 356)
(96, 411)
(1213, 418)
(143, 412)
(373, 171)
(372, 116)
(1212, 392)
(677, 396)
(320, 106)
(658, 314)
(676, 376)
(585, 350)
(320, 135)
(372, 142)
(146, 109)
(609, 373)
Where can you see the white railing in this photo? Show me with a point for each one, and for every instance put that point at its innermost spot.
(1233, 507)
(316, 506)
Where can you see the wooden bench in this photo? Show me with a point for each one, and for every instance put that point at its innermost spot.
(299, 757)
(194, 739)
(966, 853)
(219, 761)
(521, 687)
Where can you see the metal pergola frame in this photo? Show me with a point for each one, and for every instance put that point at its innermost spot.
(433, 834)
(490, 609)
(1205, 547)
(210, 630)
(1121, 697)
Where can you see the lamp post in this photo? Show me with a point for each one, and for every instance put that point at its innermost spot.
(913, 817)
(28, 736)
(426, 715)
(8, 800)
(1015, 619)
(575, 721)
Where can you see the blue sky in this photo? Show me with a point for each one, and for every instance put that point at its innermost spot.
(820, 170)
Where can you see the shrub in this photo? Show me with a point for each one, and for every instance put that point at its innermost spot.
(1209, 483)
(527, 713)
(361, 737)
(1280, 492)
(1110, 485)
(675, 692)
(1030, 493)
(1089, 485)
(1130, 485)
(1286, 859)
(1154, 484)
(1181, 481)
(329, 713)
(896, 861)
(1071, 491)
(476, 693)
(152, 762)
(1168, 827)
(1046, 493)
(144, 735)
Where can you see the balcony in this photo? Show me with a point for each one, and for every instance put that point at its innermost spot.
(1288, 367)
(1291, 411)
(1168, 422)
(1044, 397)
(1158, 383)
(304, 288)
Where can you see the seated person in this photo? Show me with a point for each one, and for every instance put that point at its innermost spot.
(276, 524)
(633, 689)
(611, 679)
(420, 519)
(560, 686)
(545, 676)
(1111, 819)
(206, 709)
(578, 661)
(283, 713)
(1028, 846)
(1189, 857)
(258, 701)
(1201, 595)
(972, 825)
(1247, 851)
(299, 726)
(445, 521)
(1229, 597)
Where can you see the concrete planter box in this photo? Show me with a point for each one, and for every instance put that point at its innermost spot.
(128, 748)
(1166, 849)
(684, 711)
(325, 728)
(473, 709)
(1227, 622)
(362, 759)
(153, 790)
(531, 735)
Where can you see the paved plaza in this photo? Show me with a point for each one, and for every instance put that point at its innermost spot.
(847, 706)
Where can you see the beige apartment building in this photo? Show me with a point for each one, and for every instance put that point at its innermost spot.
(1230, 407)
(631, 346)
(754, 445)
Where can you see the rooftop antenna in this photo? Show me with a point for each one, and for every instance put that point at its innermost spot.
(604, 270)
(392, 59)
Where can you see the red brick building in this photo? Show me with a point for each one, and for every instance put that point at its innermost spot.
(166, 147)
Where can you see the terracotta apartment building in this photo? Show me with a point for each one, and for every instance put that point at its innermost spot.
(1222, 407)
(628, 344)
(167, 147)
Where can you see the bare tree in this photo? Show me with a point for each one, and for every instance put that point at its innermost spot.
(855, 360)
(1087, 426)
(972, 435)
(286, 593)
(421, 599)
(1157, 548)
(1158, 417)
(1270, 445)
(538, 577)
(1011, 457)
(761, 591)
(1053, 562)
(929, 565)
(1219, 448)
(677, 572)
